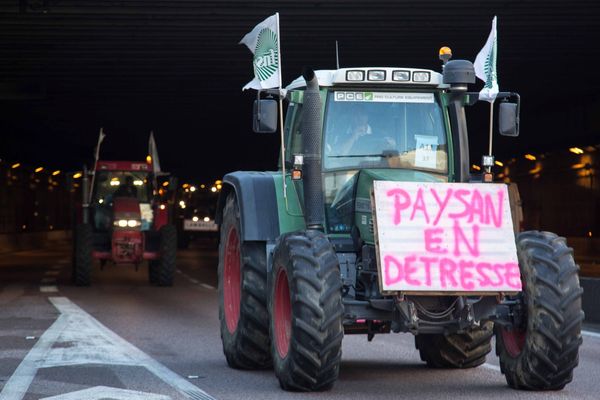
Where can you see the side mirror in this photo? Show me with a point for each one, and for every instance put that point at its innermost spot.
(508, 119)
(264, 116)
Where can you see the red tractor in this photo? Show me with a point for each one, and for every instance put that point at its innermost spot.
(124, 219)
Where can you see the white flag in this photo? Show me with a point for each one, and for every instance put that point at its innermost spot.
(485, 66)
(263, 42)
(153, 152)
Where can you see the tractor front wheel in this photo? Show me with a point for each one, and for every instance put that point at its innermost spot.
(542, 351)
(306, 312)
(459, 350)
(82, 249)
(242, 295)
(163, 270)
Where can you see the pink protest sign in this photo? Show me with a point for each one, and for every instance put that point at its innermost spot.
(452, 237)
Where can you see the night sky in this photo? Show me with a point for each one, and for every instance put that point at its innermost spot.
(68, 68)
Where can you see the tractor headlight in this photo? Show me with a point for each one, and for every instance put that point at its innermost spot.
(124, 223)
(421, 76)
(376, 75)
(401, 75)
(355, 75)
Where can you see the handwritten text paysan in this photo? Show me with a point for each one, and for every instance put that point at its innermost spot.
(452, 237)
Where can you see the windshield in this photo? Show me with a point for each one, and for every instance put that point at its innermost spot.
(110, 184)
(384, 130)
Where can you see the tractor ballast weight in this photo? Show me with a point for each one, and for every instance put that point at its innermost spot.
(299, 265)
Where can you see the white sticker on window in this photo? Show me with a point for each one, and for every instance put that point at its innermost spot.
(384, 97)
(425, 155)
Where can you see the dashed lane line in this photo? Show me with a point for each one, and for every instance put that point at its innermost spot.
(48, 280)
(207, 286)
(48, 289)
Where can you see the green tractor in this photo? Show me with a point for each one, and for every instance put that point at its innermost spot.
(300, 256)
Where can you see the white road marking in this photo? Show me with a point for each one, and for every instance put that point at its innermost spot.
(48, 289)
(81, 339)
(105, 392)
(17, 385)
(591, 334)
(48, 280)
(491, 366)
(207, 286)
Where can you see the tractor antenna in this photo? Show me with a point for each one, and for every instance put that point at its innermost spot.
(337, 55)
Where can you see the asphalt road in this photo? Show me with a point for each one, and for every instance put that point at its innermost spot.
(124, 339)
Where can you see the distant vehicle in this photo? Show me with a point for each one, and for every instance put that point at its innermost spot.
(195, 214)
(123, 220)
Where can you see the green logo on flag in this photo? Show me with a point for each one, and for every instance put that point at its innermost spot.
(266, 55)
(489, 67)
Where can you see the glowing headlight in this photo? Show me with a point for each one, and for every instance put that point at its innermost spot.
(355, 75)
(138, 182)
(162, 207)
(195, 219)
(115, 183)
(401, 76)
(376, 75)
(124, 223)
(182, 204)
(421, 76)
(206, 219)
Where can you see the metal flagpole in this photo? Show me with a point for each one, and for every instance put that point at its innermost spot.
(96, 156)
(491, 130)
(281, 112)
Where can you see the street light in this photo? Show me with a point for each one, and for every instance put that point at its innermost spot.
(39, 169)
(56, 172)
(15, 165)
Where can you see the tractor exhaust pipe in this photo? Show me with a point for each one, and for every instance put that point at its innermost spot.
(311, 132)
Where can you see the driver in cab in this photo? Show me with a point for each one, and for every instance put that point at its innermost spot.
(359, 127)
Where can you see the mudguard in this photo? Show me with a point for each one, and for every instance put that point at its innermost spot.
(257, 201)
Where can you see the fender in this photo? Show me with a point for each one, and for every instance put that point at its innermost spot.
(255, 194)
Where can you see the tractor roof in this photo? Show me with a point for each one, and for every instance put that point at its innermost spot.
(123, 166)
(391, 76)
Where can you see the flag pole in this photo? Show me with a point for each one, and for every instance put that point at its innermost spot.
(96, 156)
(491, 126)
(281, 112)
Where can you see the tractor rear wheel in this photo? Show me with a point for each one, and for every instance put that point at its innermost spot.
(459, 350)
(243, 315)
(306, 312)
(168, 256)
(542, 352)
(82, 248)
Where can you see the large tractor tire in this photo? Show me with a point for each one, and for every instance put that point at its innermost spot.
(243, 315)
(82, 249)
(164, 269)
(542, 353)
(153, 268)
(306, 312)
(459, 350)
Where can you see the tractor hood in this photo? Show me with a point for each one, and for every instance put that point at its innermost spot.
(363, 218)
